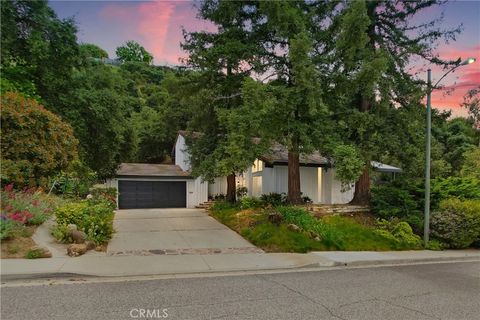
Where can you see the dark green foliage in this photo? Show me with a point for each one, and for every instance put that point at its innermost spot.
(249, 202)
(405, 199)
(89, 50)
(274, 199)
(399, 200)
(76, 182)
(457, 222)
(38, 50)
(98, 111)
(455, 187)
(132, 51)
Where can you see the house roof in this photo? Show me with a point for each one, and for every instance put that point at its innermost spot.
(151, 169)
(279, 154)
(381, 167)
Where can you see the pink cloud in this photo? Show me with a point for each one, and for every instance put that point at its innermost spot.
(150, 22)
(456, 85)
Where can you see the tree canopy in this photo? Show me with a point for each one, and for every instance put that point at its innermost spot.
(132, 51)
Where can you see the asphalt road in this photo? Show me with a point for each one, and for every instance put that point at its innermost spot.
(428, 291)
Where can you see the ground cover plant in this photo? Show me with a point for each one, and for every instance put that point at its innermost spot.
(294, 229)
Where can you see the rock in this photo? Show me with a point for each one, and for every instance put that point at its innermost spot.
(43, 252)
(275, 218)
(90, 245)
(72, 226)
(75, 250)
(77, 236)
(293, 227)
(100, 248)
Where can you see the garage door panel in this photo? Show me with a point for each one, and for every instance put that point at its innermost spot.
(152, 194)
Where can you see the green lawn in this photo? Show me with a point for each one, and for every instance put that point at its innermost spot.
(335, 232)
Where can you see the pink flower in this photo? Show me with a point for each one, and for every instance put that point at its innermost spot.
(9, 187)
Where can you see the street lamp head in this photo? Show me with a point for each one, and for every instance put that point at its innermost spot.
(468, 61)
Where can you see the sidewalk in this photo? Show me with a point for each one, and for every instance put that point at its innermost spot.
(119, 266)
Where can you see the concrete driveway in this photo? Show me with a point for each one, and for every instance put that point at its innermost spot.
(173, 232)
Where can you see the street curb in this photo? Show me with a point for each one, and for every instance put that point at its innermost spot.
(405, 261)
(310, 266)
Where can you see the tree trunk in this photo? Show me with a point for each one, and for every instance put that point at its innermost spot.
(231, 188)
(362, 188)
(294, 192)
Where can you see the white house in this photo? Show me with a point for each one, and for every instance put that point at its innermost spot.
(171, 185)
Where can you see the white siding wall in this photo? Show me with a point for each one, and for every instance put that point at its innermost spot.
(197, 192)
(219, 186)
(181, 154)
(281, 179)
(309, 182)
(268, 180)
(332, 189)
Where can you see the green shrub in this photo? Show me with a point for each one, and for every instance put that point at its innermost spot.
(308, 223)
(273, 199)
(249, 202)
(455, 187)
(7, 228)
(435, 245)
(33, 254)
(95, 219)
(391, 201)
(36, 143)
(71, 213)
(399, 231)
(98, 223)
(104, 195)
(76, 182)
(61, 233)
(457, 222)
(242, 192)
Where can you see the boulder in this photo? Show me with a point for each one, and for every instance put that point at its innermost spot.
(90, 245)
(101, 248)
(75, 250)
(293, 227)
(77, 236)
(275, 218)
(43, 252)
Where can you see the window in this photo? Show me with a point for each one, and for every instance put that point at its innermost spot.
(257, 165)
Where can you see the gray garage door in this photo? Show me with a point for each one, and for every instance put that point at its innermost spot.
(152, 194)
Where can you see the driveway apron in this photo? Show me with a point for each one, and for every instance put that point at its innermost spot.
(173, 232)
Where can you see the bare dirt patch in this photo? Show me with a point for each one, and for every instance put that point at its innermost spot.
(19, 245)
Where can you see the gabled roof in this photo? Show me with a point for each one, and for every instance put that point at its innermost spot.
(151, 169)
(279, 154)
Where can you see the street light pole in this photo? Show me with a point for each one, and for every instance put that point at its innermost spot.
(426, 223)
(428, 144)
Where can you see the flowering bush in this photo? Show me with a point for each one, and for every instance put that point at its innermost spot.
(457, 222)
(95, 218)
(27, 207)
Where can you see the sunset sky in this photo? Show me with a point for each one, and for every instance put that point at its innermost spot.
(157, 25)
